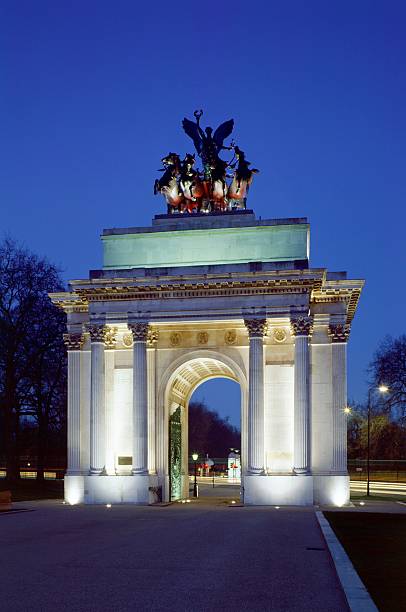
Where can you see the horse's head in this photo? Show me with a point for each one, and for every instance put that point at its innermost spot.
(189, 161)
(172, 159)
(240, 155)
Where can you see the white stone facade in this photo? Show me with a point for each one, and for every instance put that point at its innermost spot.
(140, 341)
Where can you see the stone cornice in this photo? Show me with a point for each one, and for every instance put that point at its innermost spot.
(196, 290)
(347, 291)
(312, 282)
(301, 326)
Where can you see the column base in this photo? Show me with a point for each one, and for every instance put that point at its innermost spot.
(278, 490)
(331, 489)
(110, 489)
(74, 489)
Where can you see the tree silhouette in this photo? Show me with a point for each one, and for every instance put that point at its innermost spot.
(32, 354)
(209, 433)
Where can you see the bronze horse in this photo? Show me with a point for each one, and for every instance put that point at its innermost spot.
(168, 183)
(243, 176)
(191, 184)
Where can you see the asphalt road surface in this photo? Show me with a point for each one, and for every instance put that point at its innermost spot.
(193, 556)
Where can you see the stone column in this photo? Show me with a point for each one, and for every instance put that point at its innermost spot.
(73, 344)
(256, 329)
(110, 344)
(97, 400)
(140, 398)
(301, 329)
(339, 336)
(151, 370)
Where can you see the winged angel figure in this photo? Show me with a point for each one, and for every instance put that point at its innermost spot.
(210, 191)
(207, 144)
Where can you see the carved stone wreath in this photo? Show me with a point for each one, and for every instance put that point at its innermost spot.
(128, 340)
(279, 334)
(202, 337)
(230, 337)
(175, 339)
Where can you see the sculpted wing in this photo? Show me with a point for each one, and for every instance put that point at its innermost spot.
(223, 131)
(192, 130)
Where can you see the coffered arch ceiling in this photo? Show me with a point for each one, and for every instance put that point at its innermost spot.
(193, 373)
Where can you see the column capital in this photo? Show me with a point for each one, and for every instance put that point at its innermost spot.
(257, 328)
(301, 326)
(152, 337)
(139, 331)
(110, 337)
(73, 342)
(97, 332)
(339, 332)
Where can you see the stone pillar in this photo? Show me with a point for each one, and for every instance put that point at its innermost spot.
(301, 329)
(97, 400)
(140, 398)
(256, 329)
(151, 371)
(73, 344)
(110, 344)
(339, 336)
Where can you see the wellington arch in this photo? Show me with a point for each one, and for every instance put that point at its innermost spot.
(194, 297)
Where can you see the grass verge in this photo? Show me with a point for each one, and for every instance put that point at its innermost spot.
(376, 545)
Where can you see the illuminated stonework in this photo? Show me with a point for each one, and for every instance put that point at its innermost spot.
(128, 340)
(279, 334)
(175, 339)
(204, 297)
(202, 337)
(230, 337)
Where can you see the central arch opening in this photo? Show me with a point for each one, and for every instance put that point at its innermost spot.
(214, 433)
(188, 408)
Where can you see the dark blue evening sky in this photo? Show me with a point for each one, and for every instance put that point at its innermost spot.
(93, 93)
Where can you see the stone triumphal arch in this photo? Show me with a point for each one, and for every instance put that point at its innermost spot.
(193, 297)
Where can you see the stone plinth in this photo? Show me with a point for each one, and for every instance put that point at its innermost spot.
(206, 240)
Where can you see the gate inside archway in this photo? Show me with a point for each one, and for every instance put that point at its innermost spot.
(181, 386)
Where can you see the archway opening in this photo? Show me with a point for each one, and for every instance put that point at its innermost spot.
(191, 381)
(214, 433)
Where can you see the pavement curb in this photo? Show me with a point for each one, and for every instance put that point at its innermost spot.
(358, 598)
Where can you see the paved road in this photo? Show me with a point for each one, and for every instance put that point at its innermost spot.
(182, 557)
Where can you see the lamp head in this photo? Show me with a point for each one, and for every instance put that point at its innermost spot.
(383, 389)
(195, 456)
(347, 410)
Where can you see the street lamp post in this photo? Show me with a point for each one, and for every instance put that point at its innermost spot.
(195, 457)
(381, 389)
